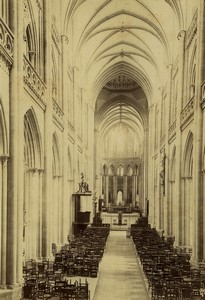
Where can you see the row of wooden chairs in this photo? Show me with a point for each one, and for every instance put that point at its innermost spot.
(62, 289)
(81, 257)
(84, 254)
(169, 273)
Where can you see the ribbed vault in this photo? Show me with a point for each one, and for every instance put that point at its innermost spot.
(123, 37)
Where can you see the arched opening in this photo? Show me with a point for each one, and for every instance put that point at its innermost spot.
(192, 74)
(32, 223)
(186, 205)
(171, 209)
(31, 46)
(57, 203)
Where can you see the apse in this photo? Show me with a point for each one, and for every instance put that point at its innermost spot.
(120, 119)
(120, 142)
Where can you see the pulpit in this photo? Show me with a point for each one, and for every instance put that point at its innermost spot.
(81, 207)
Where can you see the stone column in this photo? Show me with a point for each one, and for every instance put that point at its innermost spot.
(133, 190)
(1, 223)
(115, 188)
(125, 188)
(197, 252)
(40, 229)
(27, 213)
(21, 170)
(166, 197)
(106, 190)
(204, 212)
(170, 208)
(104, 184)
(182, 213)
(14, 254)
(150, 169)
(177, 199)
(66, 194)
(33, 212)
(47, 184)
(96, 162)
(4, 160)
(75, 114)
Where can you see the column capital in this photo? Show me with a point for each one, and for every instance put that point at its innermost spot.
(34, 171)
(75, 68)
(64, 38)
(4, 158)
(40, 171)
(181, 35)
(169, 67)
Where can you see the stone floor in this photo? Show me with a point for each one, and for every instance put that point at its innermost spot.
(120, 276)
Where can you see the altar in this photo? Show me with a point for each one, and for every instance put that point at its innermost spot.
(119, 220)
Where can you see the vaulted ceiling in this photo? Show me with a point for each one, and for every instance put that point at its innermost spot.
(123, 37)
(123, 48)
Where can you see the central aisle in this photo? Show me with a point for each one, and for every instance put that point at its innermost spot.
(120, 276)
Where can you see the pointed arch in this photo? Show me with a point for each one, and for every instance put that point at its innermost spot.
(3, 132)
(135, 169)
(172, 165)
(70, 167)
(105, 169)
(33, 152)
(54, 76)
(192, 73)
(129, 170)
(120, 170)
(111, 170)
(31, 34)
(187, 163)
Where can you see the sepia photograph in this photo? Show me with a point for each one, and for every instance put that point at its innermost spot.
(102, 149)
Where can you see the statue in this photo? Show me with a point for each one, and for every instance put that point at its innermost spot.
(83, 186)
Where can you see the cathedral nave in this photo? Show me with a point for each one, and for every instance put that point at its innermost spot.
(102, 137)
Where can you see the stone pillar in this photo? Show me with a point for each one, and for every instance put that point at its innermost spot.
(145, 169)
(136, 189)
(40, 229)
(4, 160)
(96, 162)
(133, 190)
(106, 190)
(182, 212)
(27, 212)
(104, 184)
(166, 197)
(75, 118)
(125, 188)
(14, 254)
(115, 188)
(66, 186)
(47, 184)
(150, 169)
(197, 252)
(1, 223)
(33, 212)
(204, 212)
(21, 170)
(136, 185)
(177, 199)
